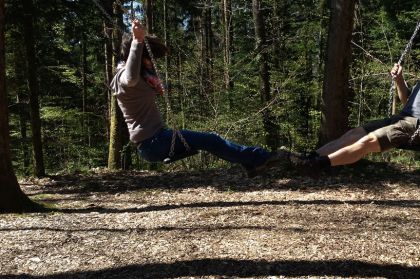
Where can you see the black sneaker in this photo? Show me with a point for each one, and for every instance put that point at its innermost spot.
(312, 155)
(306, 166)
(275, 159)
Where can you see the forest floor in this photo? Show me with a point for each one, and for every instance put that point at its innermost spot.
(359, 223)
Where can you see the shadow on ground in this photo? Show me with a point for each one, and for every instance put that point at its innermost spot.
(221, 204)
(244, 268)
(364, 175)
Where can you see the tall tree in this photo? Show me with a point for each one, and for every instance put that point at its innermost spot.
(227, 22)
(28, 10)
(118, 130)
(12, 199)
(148, 4)
(336, 91)
(281, 22)
(270, 126)
(108, 55)
(206, 52)
(84, 68)
(21, 96)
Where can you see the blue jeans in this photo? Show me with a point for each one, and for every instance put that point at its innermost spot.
(156, 148)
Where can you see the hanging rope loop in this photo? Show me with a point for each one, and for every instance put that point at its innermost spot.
(176, 133)
(392, 89)
(403, 54)
(410, 43)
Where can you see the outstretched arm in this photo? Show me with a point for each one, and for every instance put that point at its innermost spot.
(131, 75)
(402, 88)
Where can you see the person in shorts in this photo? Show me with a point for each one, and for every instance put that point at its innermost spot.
(376, 136)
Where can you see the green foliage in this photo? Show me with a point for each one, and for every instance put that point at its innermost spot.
(70, 139)
(76, 137)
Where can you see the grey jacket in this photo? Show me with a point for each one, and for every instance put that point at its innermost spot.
(136, 98)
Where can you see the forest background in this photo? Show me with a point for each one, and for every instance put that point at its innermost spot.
(254, 74)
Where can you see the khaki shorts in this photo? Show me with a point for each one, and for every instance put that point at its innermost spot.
(392, 132)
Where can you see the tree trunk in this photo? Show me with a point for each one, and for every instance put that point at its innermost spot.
(84, 81)
(28, 18)
(108, 68)
(362, 66)
(280, 10)
(202, 67)
(117, 125)
(270, 127)
(148, 4)
(206, 57)
(21, 99)
(108, 61)
(12, 199)
(336, 92)
(165, 37)
(209, 47)
(228, 46)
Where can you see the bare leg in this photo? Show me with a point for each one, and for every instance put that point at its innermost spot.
(353, 148)
(356, 151)
(347, 139)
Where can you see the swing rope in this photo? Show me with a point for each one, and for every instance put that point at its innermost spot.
(404, 53)
(175, 131)
(392, 87)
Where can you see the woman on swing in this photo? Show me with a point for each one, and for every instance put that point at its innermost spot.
(376, 136)
(135, 85)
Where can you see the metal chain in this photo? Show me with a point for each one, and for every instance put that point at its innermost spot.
(103, 11)
(410, 43)
(391, 96)
(175, 131)
(107, 15)
(392, 89)
(404, 53)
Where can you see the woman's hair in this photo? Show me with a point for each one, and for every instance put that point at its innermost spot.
(158, 48)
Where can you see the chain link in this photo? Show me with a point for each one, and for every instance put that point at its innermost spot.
(404, 53)
(175, 131)
(410, 43)
(391, 97)
(392, 89)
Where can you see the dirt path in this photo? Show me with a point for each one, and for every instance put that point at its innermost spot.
(216, 224)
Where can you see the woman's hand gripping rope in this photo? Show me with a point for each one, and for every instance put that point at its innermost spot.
(396, 73)
(138, 31)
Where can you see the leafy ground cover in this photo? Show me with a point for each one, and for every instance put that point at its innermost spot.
(358, 223)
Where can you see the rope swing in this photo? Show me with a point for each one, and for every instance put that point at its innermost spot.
(392, 89)
(173, 124)
(404, 53)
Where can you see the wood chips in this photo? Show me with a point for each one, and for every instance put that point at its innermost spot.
(216, 224)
